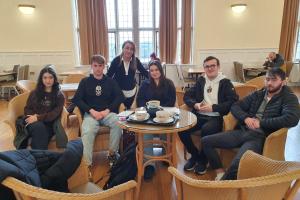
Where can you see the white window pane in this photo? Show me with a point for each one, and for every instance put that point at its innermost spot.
(157, 2)
(146, 45)
(178, 45)
(112, 45)
(123, 36)
(125, 13)
(145, 13)
(179, 13)
(111, 17)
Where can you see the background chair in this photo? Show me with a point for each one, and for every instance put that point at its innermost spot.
(259, 82)
(239, 72)
(22, 74)
(26, 85)
(16, 109)
(184, 77)
(72, 78)
(79, 186)
(274, 145)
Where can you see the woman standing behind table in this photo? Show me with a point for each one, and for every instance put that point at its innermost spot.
(44, 106)
(123, 69)
(158, 87)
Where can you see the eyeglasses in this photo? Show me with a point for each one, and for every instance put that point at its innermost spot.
(210, 66)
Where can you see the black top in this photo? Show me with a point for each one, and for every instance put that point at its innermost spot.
(48, 109)
(166, 96)
(281, 111)
(98, 94)
(117, 72)
(226, 95)
(277, 62)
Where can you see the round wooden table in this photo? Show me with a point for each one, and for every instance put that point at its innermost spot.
(186, 121)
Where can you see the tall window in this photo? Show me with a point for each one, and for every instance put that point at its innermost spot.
(135, 20)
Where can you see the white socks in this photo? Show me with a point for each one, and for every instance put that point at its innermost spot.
(219, 176)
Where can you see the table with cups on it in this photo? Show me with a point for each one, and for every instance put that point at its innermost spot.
(156, 120)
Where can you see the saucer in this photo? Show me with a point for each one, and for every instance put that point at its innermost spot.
(169, 120)
(133, 117)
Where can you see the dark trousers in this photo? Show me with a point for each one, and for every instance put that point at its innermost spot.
(244, 139)
(128, 102)
(208, 126)
(40, 133)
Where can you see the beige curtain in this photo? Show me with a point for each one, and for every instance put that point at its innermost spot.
(92, 29)
(288, 29)
(186, 23)
(168, 30)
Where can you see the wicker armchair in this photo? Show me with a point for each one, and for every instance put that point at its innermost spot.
(274, 146)
(79, 186)
(259, 82)
(16, 109)
(259, 178)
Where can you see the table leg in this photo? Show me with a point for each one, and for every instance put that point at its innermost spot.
(140, 161)
(174, 150)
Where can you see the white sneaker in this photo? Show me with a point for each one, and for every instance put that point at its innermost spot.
(219, 176)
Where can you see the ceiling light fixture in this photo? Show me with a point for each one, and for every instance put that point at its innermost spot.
(26, 9)
(238, 8)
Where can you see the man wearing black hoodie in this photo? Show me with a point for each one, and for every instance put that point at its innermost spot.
(259, 114)
(99, 97)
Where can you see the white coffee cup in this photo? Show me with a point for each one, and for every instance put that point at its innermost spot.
(140, 114)
(162, 115)
(153, 104)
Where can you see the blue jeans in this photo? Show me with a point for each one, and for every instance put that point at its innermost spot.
(90, 128)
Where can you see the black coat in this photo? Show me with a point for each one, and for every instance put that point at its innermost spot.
(281, 111)
(41, 168)
(226, 95)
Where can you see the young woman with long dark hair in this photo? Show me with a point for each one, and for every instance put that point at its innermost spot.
(43, 107)
(158, 87)
(123, 69)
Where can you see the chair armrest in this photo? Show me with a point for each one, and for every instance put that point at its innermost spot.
(78, 114)
(275, 144)
(229, 122)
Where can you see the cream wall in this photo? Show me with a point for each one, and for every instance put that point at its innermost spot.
(48, 29)
(44, 37)
(246, 37)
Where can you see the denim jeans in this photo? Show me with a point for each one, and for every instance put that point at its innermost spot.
(149, 149)
(90, 128)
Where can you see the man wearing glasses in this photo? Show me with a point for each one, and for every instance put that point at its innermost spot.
(210, 99)
(258, 114)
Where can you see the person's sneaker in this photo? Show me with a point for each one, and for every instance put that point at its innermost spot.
(200, 169)
(113, 158)
(219, 176)
(149, 172)
(189, 166)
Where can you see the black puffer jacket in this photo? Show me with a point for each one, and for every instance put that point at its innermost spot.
(226, 95)
(41, 168)
(281, 111)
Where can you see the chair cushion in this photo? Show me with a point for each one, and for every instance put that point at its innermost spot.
(87, 188)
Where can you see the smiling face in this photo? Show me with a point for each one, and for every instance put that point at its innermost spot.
(128, 50)
(154, 72)
(211, 68)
